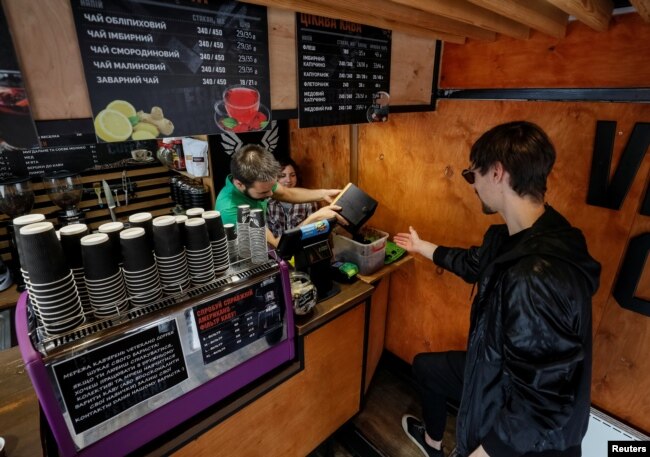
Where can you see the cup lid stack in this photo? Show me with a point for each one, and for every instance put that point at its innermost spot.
(140, 270)
(170, 255)
(218, 241)
(198, 251)
(71, 242)
(243, 240)
(257, 237)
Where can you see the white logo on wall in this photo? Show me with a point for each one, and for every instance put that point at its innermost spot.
(230, 142)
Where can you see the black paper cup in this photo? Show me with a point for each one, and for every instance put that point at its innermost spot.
(196, 234)
(22, 221)
(145, 221)
(42, 253)
(113, 229)
(214, 224)
(71, 242)
(231, 232)
(256, 219)
(98, 259)
(136, 250)
(243, 214)
(167, 240)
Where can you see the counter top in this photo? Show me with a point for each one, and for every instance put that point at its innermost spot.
(9, 297)
(386, 270)
(325, 311)
(19, 422)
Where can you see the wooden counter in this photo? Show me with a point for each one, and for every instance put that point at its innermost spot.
(19, 423)
(292, 410)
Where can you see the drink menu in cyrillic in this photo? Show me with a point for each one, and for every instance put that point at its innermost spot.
(343, 71)
(158, 69)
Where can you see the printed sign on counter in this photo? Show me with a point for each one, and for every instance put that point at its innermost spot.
(159, 69)
(107, 381)
(238, 319)
(343, 72)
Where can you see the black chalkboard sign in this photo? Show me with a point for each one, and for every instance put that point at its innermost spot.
(104, 382)
(343, 72)
(239, 318)
(158, 68)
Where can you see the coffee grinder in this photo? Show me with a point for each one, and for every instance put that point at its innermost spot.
(65, 190)
(16, 199)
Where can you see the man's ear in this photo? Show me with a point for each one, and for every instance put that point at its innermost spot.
(238, 184)
(498, 172)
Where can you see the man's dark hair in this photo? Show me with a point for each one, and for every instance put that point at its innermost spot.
(253, 163)
(525, 152)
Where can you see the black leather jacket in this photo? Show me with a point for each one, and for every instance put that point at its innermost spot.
(528, 371)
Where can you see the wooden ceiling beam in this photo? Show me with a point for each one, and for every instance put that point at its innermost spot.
(643, 8)
(464, 11)
(537, 15)
(594, 13)
(303, 6)
(408, 15)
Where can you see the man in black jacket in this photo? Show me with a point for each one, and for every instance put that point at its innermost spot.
(524, 382)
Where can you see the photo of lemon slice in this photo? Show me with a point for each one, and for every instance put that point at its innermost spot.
(123, 107)
(112, 125)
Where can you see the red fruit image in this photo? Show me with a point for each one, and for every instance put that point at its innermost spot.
(239, 128)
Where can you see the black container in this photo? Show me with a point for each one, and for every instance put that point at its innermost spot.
(99, 262)
(136, 250)
(43, 256)
(71, 242)
(167, 239)
(214, 224)
(196, 234)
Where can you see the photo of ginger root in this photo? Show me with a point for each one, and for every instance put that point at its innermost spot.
(156, 119)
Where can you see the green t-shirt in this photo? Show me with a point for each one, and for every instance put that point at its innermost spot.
(230, 198)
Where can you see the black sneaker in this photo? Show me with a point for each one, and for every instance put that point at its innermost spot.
(414, 429)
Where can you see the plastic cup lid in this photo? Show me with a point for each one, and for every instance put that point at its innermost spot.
(132, 233)
(140, 217)
(39, 227)
(162, 221)
(94, 239)
(111, 227)
(195, 221)
(28, 219)
(210, 214)
(73, 229)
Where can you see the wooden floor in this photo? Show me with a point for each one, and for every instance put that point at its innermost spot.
(379, 424)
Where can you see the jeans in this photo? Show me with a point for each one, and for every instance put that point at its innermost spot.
(439, 376)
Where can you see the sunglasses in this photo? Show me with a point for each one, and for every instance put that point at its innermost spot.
(469, 175)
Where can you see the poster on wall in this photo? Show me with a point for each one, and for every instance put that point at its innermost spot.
(222, 147)
(158, 69)
(17, 128)
(343, 72)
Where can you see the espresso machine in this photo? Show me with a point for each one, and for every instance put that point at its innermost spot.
(65, 190)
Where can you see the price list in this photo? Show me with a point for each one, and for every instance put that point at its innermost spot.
(343, 71)
(238, 319)
(174, 68)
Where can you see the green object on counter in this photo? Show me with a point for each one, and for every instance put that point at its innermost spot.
(393, 252)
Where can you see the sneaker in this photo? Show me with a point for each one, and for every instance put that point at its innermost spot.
(414, 429)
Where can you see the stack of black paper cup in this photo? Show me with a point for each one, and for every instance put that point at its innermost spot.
(218, 241)
(170, 255)
(243, 240)
(231, 236)
(113, 229)
(145, 221)
(257, 235)
(180, 220)
(198, 251)
(140, 271)
(104, 279)
(22, 221)
(51, 286)
(71, 243)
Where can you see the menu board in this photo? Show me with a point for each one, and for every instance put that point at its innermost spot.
(16, 125)
(157, 68)
(343, 72)
(107, 381)
(238, 319)
(69, 145)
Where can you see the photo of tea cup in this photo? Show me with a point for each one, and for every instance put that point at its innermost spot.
(242, 103)
(141, 155)
(240, 110)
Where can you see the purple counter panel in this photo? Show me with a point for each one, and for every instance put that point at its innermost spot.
(194, 388)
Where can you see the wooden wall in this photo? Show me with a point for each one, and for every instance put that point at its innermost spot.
(412, 166)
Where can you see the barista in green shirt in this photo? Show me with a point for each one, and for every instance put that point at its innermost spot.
(253, 179)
